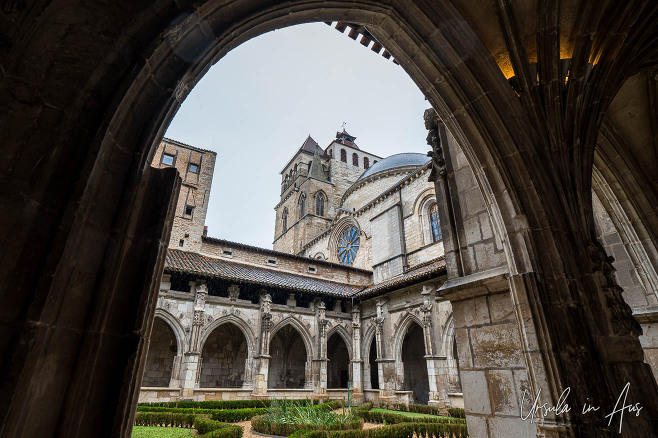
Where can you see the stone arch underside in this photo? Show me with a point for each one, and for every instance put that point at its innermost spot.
(338, 367)
(415, 367)
(132, 103)
(162, 352)
(223, 358)
(288, 367)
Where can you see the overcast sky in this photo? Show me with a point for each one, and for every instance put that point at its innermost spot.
(256, 106)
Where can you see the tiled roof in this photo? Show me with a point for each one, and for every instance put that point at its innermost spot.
(421, 273)
(312, 147)
(182, 261)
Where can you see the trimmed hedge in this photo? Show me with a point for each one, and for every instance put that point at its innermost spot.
(457, 412)
(164, 419)
(390, 418)
(175, 410)
(419, 409)
(233, 415)
(226, 415)
(217, 404)
(402, 430)
(262, 425)
(216, 429)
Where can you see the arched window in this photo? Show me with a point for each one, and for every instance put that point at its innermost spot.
(355, 159)
(366, 162)
(284, 219)
(435, 224)
(302, 205)
(331, 152)
(319, 204)
(343, 156)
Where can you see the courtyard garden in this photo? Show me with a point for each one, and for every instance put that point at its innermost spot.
(295, 418)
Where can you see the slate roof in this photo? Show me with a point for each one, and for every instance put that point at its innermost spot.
(182, 261)
(394, 161)
(189, 262)
(427, 271)
(312, 146)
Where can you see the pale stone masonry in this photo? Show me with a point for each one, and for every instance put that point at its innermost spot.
(237, 321)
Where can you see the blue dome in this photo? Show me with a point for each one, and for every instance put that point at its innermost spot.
(398, 160)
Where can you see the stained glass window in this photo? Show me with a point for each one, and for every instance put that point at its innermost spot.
(348, 245)
(435, 224)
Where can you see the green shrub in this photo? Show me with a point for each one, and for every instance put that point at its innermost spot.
(402, 430)
(217, 404)
(364, 407)
(390, 418)
(419, 409)
(233, 415)
(457, 412)
(216, 429)
(265, 425)
(226, 415)
(175, 410)
(165, 419)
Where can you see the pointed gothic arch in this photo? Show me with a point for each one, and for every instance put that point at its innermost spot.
(400, 333)
(289, 367)
(176, 326)
(159, 366)
(238, 322)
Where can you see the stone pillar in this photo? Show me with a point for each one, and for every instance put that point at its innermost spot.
(192, 358)
(319, 365)
(386, 370)
(356, 385)
(437, 368)
(176, 371)
(493, 372)
(263, 358)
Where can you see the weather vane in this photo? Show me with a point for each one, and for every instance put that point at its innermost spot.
(344, 123)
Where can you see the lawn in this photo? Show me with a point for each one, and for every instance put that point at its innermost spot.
(406, 414)
(160, 432)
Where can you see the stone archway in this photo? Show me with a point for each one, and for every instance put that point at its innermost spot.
(338, 368)
(412, 355)
(288, 362)
(126, 86)
(162, 352)
(223, 358)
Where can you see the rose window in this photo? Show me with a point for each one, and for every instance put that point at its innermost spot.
(348, 245)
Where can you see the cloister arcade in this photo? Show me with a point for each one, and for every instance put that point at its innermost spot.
(303, 352)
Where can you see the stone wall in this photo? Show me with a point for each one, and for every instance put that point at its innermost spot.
(161, 355)
(223, 358)
(194, 192)
(283, 262)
